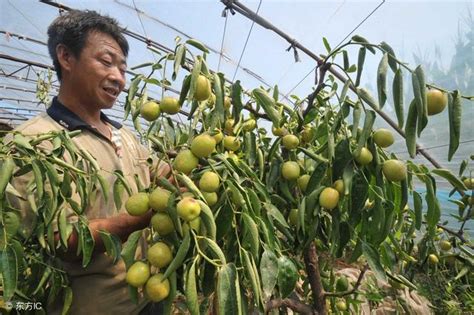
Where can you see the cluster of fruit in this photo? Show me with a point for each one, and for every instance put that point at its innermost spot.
(160, 255)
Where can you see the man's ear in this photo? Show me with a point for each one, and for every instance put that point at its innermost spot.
(65, 57)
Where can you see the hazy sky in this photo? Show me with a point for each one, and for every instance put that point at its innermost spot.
(407, 25)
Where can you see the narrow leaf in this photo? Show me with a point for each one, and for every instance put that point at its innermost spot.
(410, 129)
(382, 80)
(398, 96)
(455, 113)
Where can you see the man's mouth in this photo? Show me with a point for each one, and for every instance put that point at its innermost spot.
(112, 91)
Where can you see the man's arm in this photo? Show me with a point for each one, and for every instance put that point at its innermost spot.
(121, 225)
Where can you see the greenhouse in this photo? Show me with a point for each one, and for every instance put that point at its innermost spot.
(236, 157)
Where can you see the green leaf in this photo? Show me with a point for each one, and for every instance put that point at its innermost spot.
(214, 249)
(269, 273)
(362, 40)
(391, 56)
(345, 57)
(87, 242)
(268, 105)
(398, 96)
(326, 45)
(418, 205)
(287, 276)
(7, 167)
(410, 129)
(104, 186)
(184, 179)
(191, 290)
(455, 113)
(168, 303)
(317, 177)
(132, 90)
(450, 177)
(64, 228)
(194, 75)
(180, 255)
(276, 214)
(419, 91)
(130, 247)
(382, 80)
(344, 237)
(251, 240)
(347, 175)
(118, 193)
(356, 118)
(112, 243)
(184, 89)
(226, 290)
(197, 44)
(9, 264)
(433, 214)
(207, 218)
(252, 275)
(360, 64)
(373, 259)
(218, 113)
(275, 93)
(67, 300)
(366, 131)
(368, 98)
(237, 96)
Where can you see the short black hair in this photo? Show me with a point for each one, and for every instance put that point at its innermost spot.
(72, 28)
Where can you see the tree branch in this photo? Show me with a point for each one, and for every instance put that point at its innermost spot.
(312, 269)
(459, 235)
(294, 305)
(356, 286)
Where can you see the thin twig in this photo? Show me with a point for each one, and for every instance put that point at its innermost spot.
(322, 73)
(294, 305)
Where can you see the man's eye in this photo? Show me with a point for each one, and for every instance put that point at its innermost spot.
(106, 62)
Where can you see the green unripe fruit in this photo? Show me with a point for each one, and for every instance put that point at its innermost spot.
(169, 105)
(394, 170)
(209, 182)
(160, 255)
(231, 143)
(159, 199)
(162, 223)
(383, 138)
(203, 145)
(138, 274)
(203, 89)
(188, 209)
(364, 157)
(137, 204)
(290, 142)
(329, 198)
(303, 181)
(445, 245)
(150, 111)
(293, 218)
(290, 170)
(185, 161)
(210, 197)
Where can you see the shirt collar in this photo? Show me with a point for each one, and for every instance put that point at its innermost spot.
(68, 119)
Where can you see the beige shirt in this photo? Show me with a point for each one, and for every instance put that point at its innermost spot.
(100, 288)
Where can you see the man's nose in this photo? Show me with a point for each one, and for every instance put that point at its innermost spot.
(118, 77)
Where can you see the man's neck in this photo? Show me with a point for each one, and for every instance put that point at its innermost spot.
(86, 112)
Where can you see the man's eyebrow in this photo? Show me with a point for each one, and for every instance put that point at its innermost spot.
(114, 55)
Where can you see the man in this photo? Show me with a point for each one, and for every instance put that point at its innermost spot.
(89, 55)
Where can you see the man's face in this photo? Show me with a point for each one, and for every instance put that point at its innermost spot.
(99, 72)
